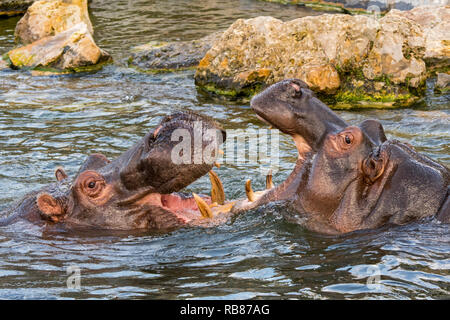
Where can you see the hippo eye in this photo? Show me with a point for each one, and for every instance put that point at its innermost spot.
(90, 183)
(345, 140)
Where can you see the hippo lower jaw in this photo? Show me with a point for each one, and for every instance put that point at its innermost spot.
(176, 209)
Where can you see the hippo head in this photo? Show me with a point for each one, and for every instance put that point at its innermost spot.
(139, 190)
(351, 177)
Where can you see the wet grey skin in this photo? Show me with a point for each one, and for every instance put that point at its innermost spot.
(347, 178)
(136, 191)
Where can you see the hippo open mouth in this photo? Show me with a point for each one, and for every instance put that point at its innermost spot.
(140, 189)
(346, 178)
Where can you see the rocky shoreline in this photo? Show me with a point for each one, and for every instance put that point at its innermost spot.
(348, 60)
(345, 59)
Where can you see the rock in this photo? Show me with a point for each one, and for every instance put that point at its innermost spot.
(57, 35)
(49, 17)
(435, 23)
(343, 57)
(69, 51)
(397, 52)
(14, 7)
(357, 6)
(442, 83)
(162, 56)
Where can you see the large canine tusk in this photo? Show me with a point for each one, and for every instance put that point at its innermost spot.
(249, 191)
(205, 210)
(217, 192)
(269, 182)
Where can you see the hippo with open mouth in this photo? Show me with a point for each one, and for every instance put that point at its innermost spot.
(138, 190)
(346, 178)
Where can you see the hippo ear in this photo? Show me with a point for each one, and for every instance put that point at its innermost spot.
(50, 208)
(60, 174)
(94, 162)
(374, 130)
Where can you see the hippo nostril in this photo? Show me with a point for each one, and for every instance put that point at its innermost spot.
(373, 168)
(372, 164)
(295, 86)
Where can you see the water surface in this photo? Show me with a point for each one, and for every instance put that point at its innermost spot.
(47, 122)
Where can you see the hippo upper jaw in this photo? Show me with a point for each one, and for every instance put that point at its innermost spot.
(292, 107)
(179, 151)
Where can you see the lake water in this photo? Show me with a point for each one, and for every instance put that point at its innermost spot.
(47, 122)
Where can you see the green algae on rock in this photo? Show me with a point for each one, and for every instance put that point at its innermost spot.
(342, 57)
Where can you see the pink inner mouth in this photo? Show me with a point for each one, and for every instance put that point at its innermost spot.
(185, 209)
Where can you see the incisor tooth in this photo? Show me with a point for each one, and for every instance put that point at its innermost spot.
(249, 191)
(217, 192)
(269, 182)
(205, 210)
(217, 164)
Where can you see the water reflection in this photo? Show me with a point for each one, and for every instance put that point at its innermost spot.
(57, 121)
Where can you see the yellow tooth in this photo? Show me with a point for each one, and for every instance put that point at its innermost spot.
(270, 128)
(217, 192)
(249, 191)
(221, 152)
(269, 182)
(217, 164)
(205, 210)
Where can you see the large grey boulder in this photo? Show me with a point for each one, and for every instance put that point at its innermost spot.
(171, 56)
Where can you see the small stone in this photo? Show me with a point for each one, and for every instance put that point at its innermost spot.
(358, 83)
(442, 82)
(378, 86)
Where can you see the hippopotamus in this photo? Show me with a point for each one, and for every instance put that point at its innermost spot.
(347, 177)
(139, 189)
